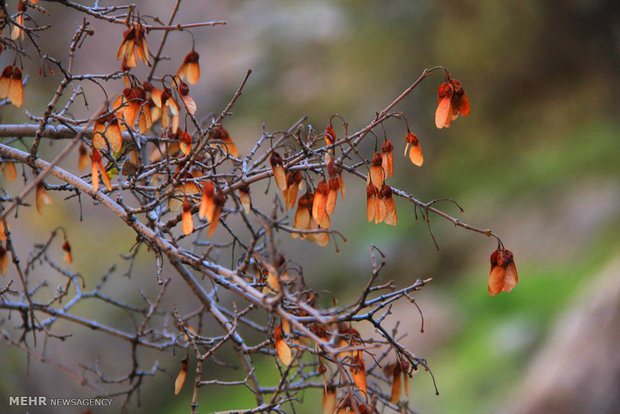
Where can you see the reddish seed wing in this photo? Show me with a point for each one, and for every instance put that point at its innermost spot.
(330, 135)
(390, 212)
(496, 280)
(359, 373)
(182, 72)
(216, 218)
(219, 200)
(380, 210)
(190, 104)
(397, 386)
(330, 205)
(42, 198)
(15, 88)
(185, 142)
(280, 176)
(503, 275)
(291, 195)
(143, 48)
(4, 81)
(156, 95)
(104, 176)
(66, 247)
(220, 133)
(320, 201)
(246, 201)
(114, 136)
(95, 175)
(99, 140)
(386, 158)
(10, 171)
(325, 223)
(415, 155)
(180, 380)
(406, 382)
(130, 112)
(232, 148)
(83, 157)
(282, 348)
(464, 105)
(190, 69)
(302, 218)
(370, 202)
(4, 260)
(122, 49)
(387, 164)
(511, 278)
(444, 113)
(206, 202)
(187, 223)
(334, 186)
(329, 400)
(145, 121)
(193, 73)
(189, 188)
(376, 176)
(17, 32)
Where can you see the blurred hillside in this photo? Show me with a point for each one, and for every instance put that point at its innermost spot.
(537, 160)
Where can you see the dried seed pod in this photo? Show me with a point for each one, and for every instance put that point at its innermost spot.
(83, 158)
(387, 195)
(278, 170)
(415, 152)
(10, 171)
(221, 134)
(4, 260)
(503, 275)
(96, 167)
(293, 183)
(3, 230)
(282, 348)
(207, 205)
(387, 158)
(452, 103)
(303, 213)
(66, 247)
(190, 69)
(218, 204)
(244, 197)
(320, 201)
(189, 102)
(187, 223)
(329, 400)
(42, 198)
(371, 195)
(180, 380)
(185, 142)
(359, 372)
(376, 175)
(334, 186)
(15, 90)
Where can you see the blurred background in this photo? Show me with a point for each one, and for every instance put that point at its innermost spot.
(537, 161)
